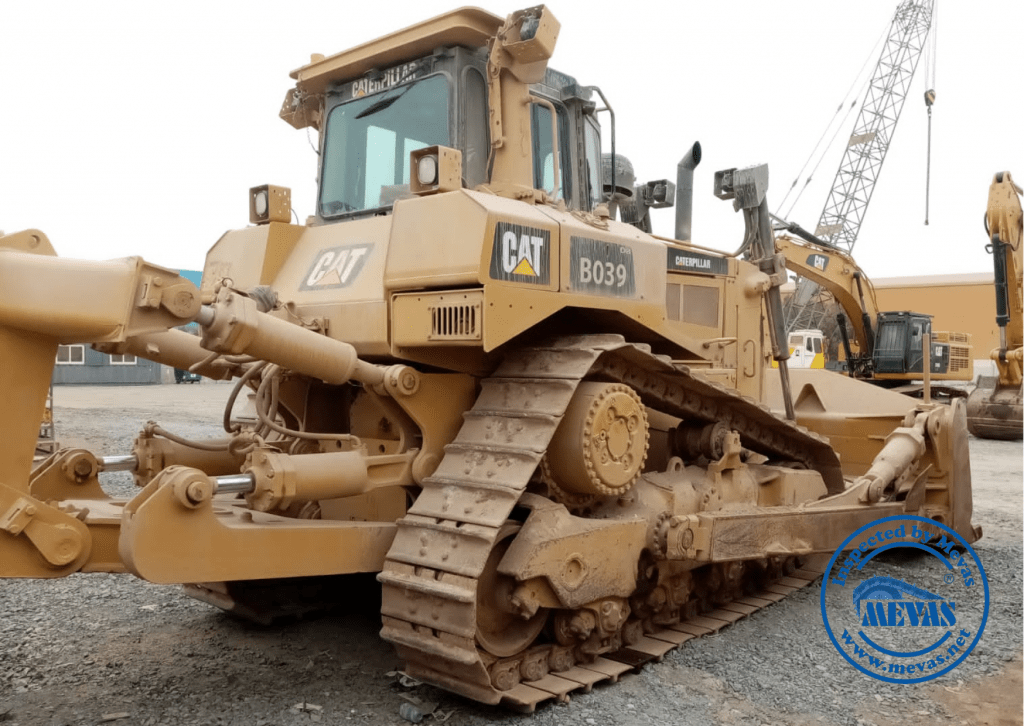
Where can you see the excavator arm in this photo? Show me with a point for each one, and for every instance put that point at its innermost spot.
(836, 271)
(1003, 223)
(995, 410)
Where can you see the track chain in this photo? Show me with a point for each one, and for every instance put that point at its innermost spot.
(430, 575)
(654, 646)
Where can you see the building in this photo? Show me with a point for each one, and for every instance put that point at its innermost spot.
(80, 364)
(964, 303)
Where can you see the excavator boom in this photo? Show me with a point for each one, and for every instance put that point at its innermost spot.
(898, 358)
(837, 272)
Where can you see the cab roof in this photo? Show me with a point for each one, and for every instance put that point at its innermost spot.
(470, 27)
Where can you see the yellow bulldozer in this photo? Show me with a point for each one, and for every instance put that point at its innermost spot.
(552, 434)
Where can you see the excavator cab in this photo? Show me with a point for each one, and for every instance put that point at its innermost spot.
(807, 349)
(900, 347)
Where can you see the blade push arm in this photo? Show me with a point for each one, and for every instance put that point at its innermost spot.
(46, 301)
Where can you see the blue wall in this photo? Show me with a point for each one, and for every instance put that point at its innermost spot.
(98, 369)
(193, 276)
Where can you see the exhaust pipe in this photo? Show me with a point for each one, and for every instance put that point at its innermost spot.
(684, 191)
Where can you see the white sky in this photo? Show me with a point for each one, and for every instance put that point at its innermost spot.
(138, 128)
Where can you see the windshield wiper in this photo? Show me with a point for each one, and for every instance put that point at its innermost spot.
(383, 103)
(390, 101)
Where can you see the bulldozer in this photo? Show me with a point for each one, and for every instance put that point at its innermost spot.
(553, 435)
(995, 409)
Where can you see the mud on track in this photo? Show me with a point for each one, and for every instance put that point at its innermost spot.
(77, 649)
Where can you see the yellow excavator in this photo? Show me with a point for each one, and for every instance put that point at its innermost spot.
(887, 347)
(994, 409)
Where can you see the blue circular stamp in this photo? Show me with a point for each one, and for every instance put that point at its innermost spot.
(908, 618)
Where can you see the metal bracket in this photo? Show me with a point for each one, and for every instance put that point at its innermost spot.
(37, 529)
(747, 186)
(775, 268)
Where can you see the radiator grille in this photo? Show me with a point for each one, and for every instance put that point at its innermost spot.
(959, 357)
(959, 349)
(945, 336)
(455, 321)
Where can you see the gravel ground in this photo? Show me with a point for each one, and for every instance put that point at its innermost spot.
(94, 647)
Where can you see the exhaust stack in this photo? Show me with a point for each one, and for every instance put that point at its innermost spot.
(684, 191)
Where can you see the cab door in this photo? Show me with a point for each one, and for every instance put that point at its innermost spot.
(797, 351)
(814, 349)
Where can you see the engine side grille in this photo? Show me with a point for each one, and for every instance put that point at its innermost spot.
(455, 321)
(959, 349)
(448, 318)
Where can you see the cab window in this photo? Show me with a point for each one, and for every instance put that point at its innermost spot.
(367, 143)
(476, 131)
(916, 336)
(593, 142)
(543, 150)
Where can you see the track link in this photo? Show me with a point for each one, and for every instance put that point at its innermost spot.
(431, 573)
(653, 647)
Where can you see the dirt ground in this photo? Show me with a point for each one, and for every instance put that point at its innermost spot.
(112, 649)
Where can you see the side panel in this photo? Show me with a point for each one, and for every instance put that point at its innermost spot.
(440, 240)
(331, 275)
(534, 261)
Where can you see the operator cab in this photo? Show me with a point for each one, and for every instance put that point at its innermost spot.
(373, 124)
(900, 346)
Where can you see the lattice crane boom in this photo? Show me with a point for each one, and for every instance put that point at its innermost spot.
(855, 180)
(869, 142)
